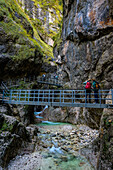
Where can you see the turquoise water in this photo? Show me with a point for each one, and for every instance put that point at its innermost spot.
(44, 123)
(55, 158)
(64, 161)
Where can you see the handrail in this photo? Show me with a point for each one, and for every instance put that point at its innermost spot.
(4, 88)
(54, 97)
(47, 80)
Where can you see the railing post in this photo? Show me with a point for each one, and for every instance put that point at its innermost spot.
(112, 95)
(3, 96)
(19, 95)
(99, 97)
(49, 97)
(43, 96)
(10, 95)
(72, 96)
(28, 95)
(34, 96)
(63, 96)
(85, 98)
(52, 97)
(38, 95)
(60, 97)
(25, 96)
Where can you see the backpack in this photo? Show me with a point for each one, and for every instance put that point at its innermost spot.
(96, 85)
(88, 85)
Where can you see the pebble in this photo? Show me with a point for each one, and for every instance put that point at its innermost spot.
(69, 139)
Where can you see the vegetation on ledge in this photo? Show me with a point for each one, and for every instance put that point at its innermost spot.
(21, 33)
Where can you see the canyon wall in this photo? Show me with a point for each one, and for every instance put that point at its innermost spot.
(27, 33)
(86, 51)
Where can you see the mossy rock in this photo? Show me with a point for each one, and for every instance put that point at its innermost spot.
(6, 127)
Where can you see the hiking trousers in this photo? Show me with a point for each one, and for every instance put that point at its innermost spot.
(88, 95)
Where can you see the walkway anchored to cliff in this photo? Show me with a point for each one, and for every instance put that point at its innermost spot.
(62, 98)
(51, 80)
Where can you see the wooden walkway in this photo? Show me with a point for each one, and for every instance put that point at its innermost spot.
(62, 98)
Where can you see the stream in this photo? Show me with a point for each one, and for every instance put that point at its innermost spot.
(58, 148)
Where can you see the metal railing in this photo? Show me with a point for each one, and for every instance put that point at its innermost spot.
(50, 81)
(68, 98)
(40, 79)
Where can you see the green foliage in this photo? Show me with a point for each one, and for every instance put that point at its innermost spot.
(55, 8)
(57, 40)
(19, 27)
(26, 107)
(107, 123)
(28, 34)
(22, 85)
(106, 146)
(6, 127)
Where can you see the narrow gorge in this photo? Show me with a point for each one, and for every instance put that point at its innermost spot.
(70, 39)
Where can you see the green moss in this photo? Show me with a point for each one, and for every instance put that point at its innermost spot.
(17, 29)
(6, 127)
(57, 38)
(23, 30)
(26, 107)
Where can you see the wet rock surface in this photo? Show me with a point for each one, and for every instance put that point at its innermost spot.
(13, 135)
(105, 160)
(86, 52)
(75, 115)
(69, 137)
(86, 49)
(57, 148)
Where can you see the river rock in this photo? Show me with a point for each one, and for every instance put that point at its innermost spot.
(13, 135)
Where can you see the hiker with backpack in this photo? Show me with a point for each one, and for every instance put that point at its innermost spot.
(96, 88)
(87, 84)
(43, 77)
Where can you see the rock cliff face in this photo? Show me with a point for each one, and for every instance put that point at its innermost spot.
(106, 141)
(25, 43)
(87, 37)
(46, 16)
(86, 51)
(90, 117)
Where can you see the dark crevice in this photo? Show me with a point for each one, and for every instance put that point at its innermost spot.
(67, 7)
(101, 33)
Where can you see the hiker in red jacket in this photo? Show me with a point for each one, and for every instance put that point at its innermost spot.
(88, 90)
